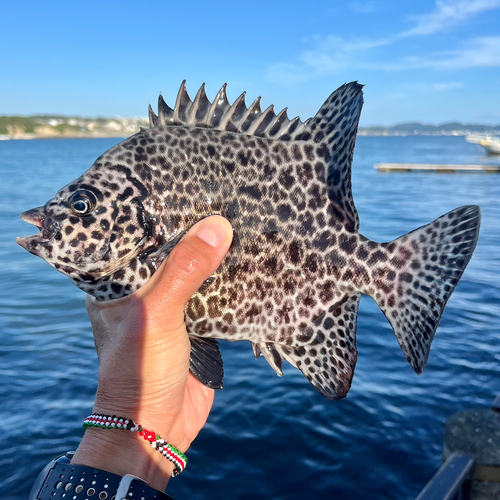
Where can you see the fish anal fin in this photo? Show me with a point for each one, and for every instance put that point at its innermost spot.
(256, 350)
(272, 354)
(205, 362)
(328, 357)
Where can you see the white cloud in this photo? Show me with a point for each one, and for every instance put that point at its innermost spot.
(479, 52)
(484, 51)
(448, 14)
(287, 73)
(333, 54)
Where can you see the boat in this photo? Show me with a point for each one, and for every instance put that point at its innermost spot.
(488, 142)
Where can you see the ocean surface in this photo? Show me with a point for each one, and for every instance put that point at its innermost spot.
(267, 437)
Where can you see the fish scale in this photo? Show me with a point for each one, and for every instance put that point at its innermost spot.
(292, 279)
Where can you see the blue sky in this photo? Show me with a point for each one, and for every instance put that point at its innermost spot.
(431, 61)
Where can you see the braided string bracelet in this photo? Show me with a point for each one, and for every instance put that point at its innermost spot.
(113, 422)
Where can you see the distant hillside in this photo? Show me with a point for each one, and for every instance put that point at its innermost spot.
(48, 126)
(452, 128)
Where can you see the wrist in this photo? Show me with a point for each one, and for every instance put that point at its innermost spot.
(150, 390)
(122, 452)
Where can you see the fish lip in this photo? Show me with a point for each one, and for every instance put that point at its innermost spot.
(33, 217)
(46, 232)
(38, 218)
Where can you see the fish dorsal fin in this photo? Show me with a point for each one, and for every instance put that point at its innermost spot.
(333, 129)
(165, 114)
(222, 115)
(182, 105)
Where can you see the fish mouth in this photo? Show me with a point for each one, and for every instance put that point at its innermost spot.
(36, 217)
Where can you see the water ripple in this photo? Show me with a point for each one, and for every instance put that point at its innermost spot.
(267, 437)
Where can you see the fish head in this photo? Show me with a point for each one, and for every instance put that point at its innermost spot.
(92, 227)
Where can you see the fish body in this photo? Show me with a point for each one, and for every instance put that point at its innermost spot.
(292, 280)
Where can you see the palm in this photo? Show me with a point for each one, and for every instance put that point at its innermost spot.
(198, 401)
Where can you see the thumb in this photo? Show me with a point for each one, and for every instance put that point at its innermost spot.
(193, 260)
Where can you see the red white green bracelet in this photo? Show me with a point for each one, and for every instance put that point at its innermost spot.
(113, 422)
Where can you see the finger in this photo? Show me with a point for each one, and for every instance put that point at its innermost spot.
(193, 260)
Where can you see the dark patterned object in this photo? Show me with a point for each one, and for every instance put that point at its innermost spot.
(292, 280)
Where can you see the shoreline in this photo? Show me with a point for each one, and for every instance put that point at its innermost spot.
(361, 133)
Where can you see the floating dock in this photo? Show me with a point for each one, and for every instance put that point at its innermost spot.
(442, 168)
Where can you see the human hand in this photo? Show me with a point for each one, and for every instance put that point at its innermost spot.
(143, 351)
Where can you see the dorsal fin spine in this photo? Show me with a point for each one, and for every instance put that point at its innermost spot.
(249, 117)
(222, 115)
(231, 115)
(165, 113)
(153, 119)
(219, 106)
(182, 105)
(200, 107)
(259, 126)
(280, 119)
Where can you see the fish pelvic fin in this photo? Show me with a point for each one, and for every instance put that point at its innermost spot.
(205, 362)
(415, 275)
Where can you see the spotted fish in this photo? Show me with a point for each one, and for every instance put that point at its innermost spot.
(292, 280)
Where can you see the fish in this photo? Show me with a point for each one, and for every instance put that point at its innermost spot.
(292, 279)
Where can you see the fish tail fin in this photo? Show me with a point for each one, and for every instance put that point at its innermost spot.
(416, 274)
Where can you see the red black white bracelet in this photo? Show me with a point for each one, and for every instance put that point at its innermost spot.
(113, 422)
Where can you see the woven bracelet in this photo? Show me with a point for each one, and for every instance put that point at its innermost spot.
(113, 422)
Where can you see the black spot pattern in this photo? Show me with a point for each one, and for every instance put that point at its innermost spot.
(292, 279)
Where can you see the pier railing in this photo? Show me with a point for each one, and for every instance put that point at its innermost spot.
(472, 468)
(452, 481)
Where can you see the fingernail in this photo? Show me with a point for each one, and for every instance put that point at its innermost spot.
(212, 232)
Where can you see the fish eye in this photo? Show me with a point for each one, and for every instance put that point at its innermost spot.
(82, 202)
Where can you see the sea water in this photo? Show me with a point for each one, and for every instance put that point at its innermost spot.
(267, 437)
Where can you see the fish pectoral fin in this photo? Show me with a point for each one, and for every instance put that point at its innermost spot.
(205, 362)
(205, 285)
